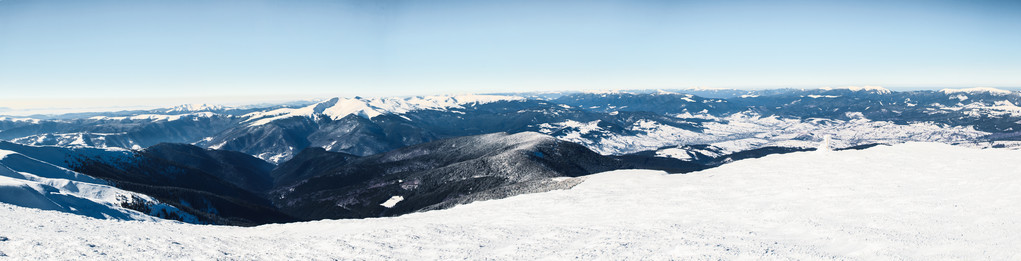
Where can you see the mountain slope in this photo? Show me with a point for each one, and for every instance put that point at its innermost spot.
(438, 174)
(28, 182)
(311, 161)
(239, 169)
(207, 184)
(906, 201)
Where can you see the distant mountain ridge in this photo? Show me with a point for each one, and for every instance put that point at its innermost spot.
(369, 157)
(609, 122)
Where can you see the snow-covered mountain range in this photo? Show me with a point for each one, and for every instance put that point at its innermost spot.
(611, 123)
(369, 157)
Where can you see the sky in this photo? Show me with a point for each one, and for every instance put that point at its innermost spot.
(68, 53)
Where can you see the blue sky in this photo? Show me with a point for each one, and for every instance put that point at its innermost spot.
(124, 51)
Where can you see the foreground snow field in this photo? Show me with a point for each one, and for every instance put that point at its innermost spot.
(917, 201)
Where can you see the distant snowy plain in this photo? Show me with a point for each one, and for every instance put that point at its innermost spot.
(915, 201)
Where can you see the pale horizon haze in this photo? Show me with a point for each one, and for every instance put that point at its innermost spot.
(63, 54)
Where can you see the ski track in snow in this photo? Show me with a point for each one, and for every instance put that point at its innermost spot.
(916, 201)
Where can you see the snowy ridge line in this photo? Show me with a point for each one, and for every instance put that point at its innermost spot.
(989, 90)
(337, 108)
(157, 117)
(29, 182)
(877, 89)
(197, 108)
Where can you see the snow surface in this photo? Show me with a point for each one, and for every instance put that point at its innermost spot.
(159, 117)
(196, 107)
(877, 89)
(29, 182)
(976, 90)
(677, 153)
(76, 139)
(390, 203)
(915, 201)
(980, 109)
(338, 108)
(747, 130)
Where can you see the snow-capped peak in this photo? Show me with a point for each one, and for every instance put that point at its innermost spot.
(337, 108)
(877, 89)
(195, 107)
(977, 90)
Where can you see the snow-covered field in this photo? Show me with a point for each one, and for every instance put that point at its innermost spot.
(919, 201)
(746, 131)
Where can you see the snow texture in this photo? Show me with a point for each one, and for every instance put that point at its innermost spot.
(913, 201)
(976, 90)
(746, 130)
(876, 89)
(371, 107)
(28, 182)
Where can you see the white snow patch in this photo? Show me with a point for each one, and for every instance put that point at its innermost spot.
(676, 153)
(4, 153)
(390, 203)
(218, 145)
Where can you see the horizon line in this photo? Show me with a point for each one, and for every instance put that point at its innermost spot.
(103, 105)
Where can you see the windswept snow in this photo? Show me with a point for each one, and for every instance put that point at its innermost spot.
(916, 201)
